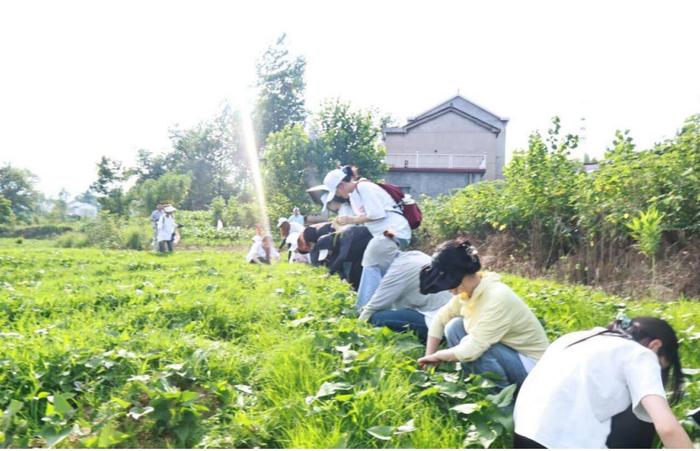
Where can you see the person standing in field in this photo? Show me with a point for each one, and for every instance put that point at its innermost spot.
(296, 216)
(487, 326)
(155, 216)
(166, 229)
(604, 388)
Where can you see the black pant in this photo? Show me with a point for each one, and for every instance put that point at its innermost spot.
(520, 442)
(163, 245)
(626, 431)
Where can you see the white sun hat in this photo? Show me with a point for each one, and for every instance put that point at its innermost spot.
(169, 209)
(281, 221)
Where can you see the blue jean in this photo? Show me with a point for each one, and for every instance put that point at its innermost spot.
(369, 282)
(499, 359)
(372, 277)
(401, 320)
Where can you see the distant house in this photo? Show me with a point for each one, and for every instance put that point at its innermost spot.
(81, 210)
(448, 147)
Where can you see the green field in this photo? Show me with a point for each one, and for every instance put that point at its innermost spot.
(199, 349)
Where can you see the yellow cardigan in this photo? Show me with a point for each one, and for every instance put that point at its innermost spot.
(493, 314)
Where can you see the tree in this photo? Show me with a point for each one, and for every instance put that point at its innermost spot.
(59, 210)
(294, 161)
(350, 136)
(281, 91)
(88, 197)
(109, 186)
(169, 188)
(210, 153)
(6, 214)
(290, 159)
(17, 187)
(149, 166)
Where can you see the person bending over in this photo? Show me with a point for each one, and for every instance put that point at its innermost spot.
(586, 380)
(397, 302)
(343, 251)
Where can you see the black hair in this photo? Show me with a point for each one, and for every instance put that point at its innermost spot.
(310, 234)
(458, 257)
(347, 170)
(643, 330)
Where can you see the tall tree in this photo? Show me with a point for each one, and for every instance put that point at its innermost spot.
(170, 188)
(281, 90)
(17, 187)
(350, 136)
(294, 161)
(7, 216)
(210, 154)
(290, 159)
(149, 166)
(109, 186)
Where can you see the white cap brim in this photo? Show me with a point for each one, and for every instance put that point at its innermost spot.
(322, 254)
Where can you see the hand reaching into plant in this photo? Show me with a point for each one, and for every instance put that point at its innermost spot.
(429, 360)
(436, 358)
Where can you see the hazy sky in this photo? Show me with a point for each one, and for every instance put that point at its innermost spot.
(81, 79)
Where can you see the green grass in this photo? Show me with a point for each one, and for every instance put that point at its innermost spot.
(106, 348)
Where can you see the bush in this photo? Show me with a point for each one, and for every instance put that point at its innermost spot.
(73, 239)
(136, 237)
(34, 232)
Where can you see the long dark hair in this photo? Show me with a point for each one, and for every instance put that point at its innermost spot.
(643, 330)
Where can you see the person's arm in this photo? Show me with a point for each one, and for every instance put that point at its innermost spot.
(371, 203)
(443, 316)
(342, 255)
(670, 431)
(491, 325)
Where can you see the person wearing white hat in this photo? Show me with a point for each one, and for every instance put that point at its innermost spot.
(372, 207)
(286, 228)
(166, 229)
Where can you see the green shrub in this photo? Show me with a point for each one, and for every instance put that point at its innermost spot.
(136, 237)
(73, 239)
(34, 232)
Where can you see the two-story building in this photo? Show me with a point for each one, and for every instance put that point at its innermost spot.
(448, 147)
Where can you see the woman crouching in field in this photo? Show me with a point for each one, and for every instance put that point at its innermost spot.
(592, 388)
(487, 326)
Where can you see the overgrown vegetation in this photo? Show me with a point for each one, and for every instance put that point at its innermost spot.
(199, 349)
(550, 212)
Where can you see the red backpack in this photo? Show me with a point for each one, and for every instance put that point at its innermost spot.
(408, 206)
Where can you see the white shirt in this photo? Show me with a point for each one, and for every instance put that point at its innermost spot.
(570, 397)
(256, 250)
(166, 228)
(299, 219)
(371, 200)
(295, 227)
